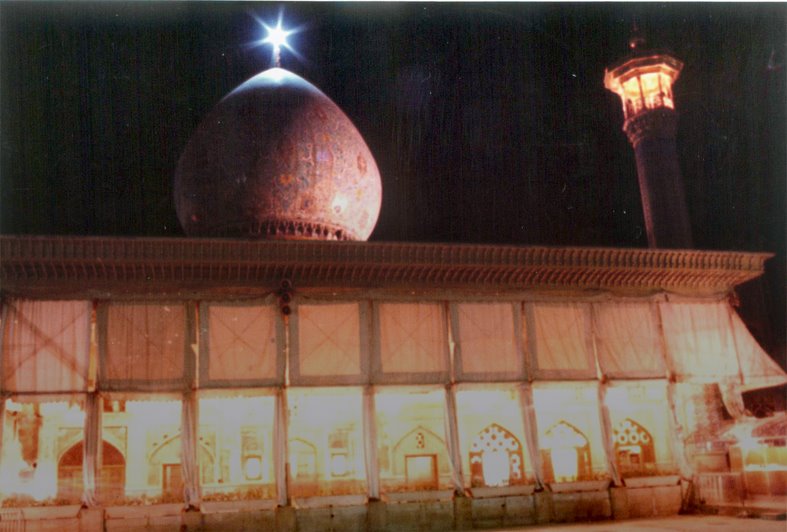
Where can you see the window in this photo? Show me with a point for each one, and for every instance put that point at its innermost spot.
(35, 462)
(487, 341)
(236, 448)
(411, 449)
(144, 346)
(70, 472)
(147, 432)
(412, 343)
(240, 345)
(45, 346)
(639, 415)
(325, 442)
(566, 454)
(628, 339)
(634, 449)
(559, 337)
(569, 431)
(491, 436)
(329, 344)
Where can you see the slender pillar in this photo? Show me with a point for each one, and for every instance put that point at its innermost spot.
(644, 81)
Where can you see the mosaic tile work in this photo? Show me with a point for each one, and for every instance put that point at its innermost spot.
(276, 158)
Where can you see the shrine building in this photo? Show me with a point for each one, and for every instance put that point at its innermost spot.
(273, 370)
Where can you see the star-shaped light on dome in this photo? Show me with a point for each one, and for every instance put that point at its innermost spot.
(277, 38)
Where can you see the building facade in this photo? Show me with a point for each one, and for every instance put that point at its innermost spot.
(269, 371)
(372, 385)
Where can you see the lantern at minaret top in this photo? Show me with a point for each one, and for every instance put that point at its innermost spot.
(643, 80)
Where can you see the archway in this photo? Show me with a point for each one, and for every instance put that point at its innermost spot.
(565, 453)
(165, 469)
(634, 450)
(111, 474)
(496, 458)
(303, 460)
(420, 457)
(305, 468)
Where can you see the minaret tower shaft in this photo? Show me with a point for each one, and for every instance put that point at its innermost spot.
(644, 80)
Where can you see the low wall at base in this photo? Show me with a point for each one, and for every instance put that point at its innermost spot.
(630, 503)
(459, 513)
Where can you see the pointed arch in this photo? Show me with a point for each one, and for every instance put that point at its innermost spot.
(165, 469)
(112, 472)
(496, 458)
(634, 449)
(422, 437)
(565, 453)
(420, 458)
(303, 460)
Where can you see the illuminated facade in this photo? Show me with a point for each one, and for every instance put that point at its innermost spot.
(141, 376)
(295, 383)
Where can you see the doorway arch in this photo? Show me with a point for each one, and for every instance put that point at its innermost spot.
(111, 475)
(496, 458)
(565, 453)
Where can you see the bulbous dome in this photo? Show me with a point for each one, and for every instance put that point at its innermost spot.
(276, 158)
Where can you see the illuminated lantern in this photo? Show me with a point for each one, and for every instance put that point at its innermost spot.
(644, 83)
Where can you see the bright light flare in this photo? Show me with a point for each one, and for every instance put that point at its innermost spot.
(277, 38)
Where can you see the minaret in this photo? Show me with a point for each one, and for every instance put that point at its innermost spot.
(643, 80)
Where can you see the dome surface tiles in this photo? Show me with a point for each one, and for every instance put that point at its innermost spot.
(276, 158)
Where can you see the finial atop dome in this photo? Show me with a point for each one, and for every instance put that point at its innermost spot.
(277, 37)
(637, 39)
(277, 159)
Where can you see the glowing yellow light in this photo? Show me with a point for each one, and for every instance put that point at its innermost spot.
(644, 83)
(33, 476)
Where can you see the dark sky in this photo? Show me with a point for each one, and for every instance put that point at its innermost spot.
(489, 122)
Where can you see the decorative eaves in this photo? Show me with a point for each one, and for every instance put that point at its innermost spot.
(38, 266)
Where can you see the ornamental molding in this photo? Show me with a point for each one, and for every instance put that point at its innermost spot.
(654, 123)
(280, 228)
(39, 266)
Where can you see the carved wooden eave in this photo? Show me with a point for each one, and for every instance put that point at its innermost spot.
(39, 266)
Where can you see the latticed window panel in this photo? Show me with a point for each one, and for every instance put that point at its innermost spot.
(560, 340)
(144, 343)
(487, 342)
(329, 342)
(412, 339)
(242, 343)
(628, 339)
(45, 346)
(699, 340)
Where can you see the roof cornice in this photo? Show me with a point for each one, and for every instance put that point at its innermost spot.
(42, 265)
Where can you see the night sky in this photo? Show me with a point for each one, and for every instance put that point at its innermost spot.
(489, 122)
